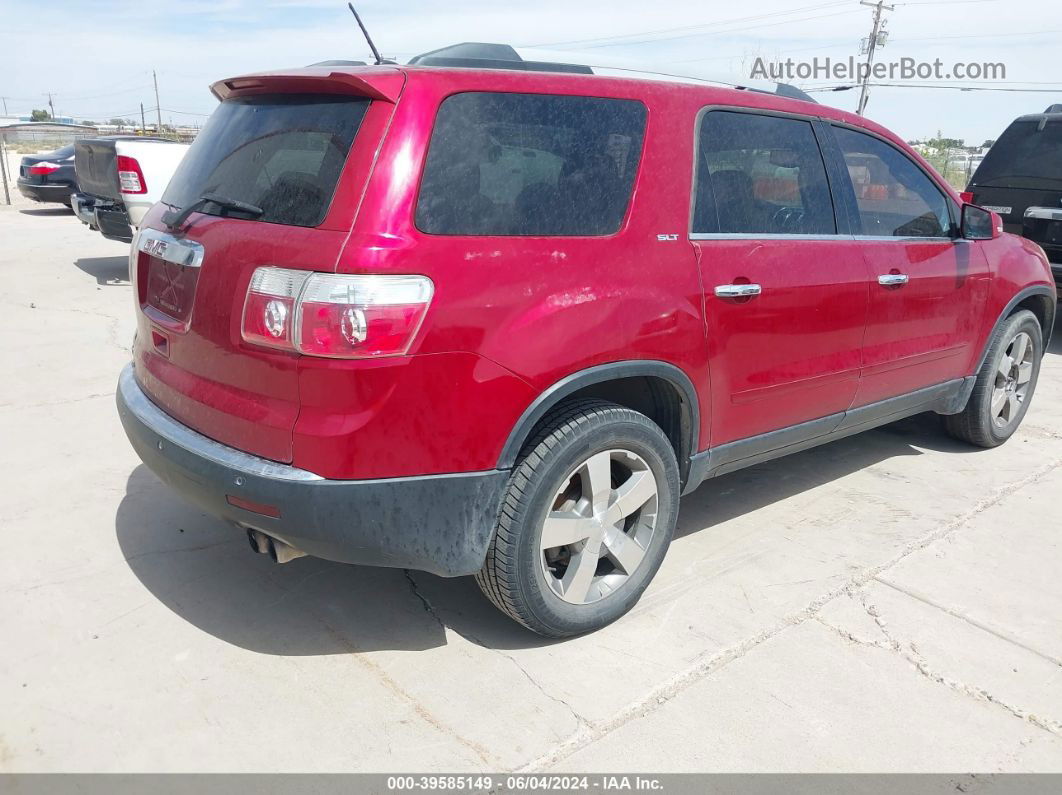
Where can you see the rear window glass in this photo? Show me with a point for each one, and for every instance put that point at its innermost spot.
(281, 153)
(530, 164)
(1024, 151)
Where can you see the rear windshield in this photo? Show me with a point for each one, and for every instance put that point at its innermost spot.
(1024, 152)
(530, 164)
(281, 153)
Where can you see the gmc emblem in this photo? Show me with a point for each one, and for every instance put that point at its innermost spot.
(156, 248)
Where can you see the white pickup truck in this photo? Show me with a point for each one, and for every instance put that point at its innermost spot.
(119, 178)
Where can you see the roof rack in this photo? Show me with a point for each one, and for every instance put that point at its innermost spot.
(475, 55)
(483, 55)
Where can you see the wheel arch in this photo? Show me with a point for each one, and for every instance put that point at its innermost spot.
(1038, 299)
(658, 389)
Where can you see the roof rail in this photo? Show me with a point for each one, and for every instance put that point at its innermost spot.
(483, 55)
(475, 55)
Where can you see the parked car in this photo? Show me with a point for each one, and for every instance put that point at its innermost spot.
(121, 177)
(494, 322)
(48, 177)
(1021, 179)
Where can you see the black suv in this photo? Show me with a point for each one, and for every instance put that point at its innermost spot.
(1021, 179)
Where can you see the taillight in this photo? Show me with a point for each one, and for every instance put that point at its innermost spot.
(130, 176)
(326, 314)
(44, 167)
(966, 196)
(269, 311)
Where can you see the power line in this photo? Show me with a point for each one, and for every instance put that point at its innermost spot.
(721, 32)
(821, 89)
(944, 2)
(716, 23)
(981, 35)
(69, 98)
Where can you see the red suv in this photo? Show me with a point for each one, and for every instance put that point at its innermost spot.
(476, 321)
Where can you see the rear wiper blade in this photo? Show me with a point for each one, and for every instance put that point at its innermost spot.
(176, 217)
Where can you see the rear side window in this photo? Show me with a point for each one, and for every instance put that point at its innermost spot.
(1027, 150)
(281, 153)
(895, 198)
(760, 175)
(530, 164)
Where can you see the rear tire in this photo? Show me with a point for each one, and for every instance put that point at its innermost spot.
(1004, 386)
(588, 514)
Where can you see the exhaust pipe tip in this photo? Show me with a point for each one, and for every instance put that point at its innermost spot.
(277, 550)
(283, 553)
(259, 541)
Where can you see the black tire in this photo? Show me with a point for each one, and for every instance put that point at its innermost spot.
(977, 423)
(514, 576)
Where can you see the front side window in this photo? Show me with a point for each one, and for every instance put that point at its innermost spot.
(894, 197)
(530, 164)
(760, 174)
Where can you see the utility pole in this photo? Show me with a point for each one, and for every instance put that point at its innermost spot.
(5, 104)
(877, 39)
(3, 167)
(158, 106)
(51, 107)
(143, 122)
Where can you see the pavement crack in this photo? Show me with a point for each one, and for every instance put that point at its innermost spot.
(967, 619)
(912, 655)
(851, 638)
(708, 664)
(359, 656)
(429, 608)
(579, 719)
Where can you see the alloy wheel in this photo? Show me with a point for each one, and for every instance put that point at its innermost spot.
(601, 523)
(1013, 376)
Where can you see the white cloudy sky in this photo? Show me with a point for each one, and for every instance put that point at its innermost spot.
(96, 57)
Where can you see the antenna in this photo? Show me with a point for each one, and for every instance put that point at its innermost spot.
(368, 38)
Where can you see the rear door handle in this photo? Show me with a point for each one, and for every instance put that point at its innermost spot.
(892, 279)
(737, 290)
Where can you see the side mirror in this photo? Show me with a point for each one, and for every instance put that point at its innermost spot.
(979, 223)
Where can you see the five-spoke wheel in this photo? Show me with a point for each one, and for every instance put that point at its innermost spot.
(587, 517)
(1013, 376)
(601, 523)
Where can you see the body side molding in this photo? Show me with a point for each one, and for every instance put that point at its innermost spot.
(775, 444)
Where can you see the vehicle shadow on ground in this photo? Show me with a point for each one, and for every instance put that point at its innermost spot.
(48, 211)
(204, 571)
(107, 271)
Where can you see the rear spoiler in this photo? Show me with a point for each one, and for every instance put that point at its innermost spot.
(383, 84)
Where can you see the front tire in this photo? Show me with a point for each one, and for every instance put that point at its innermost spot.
(588, 514)
(1005, 384)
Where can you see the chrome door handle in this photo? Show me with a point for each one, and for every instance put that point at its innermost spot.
(892, 279)
(737, 290)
